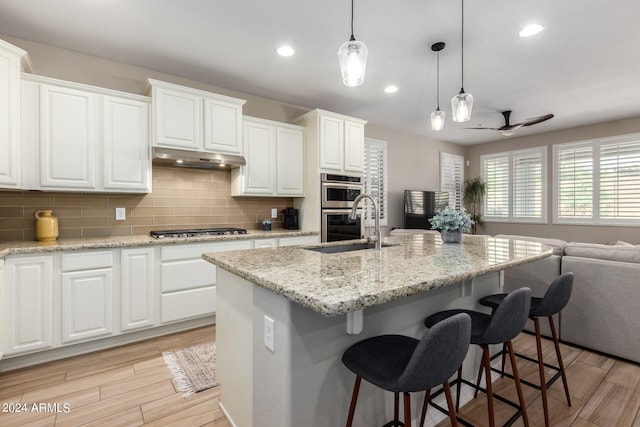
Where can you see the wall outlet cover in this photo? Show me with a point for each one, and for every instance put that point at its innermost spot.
(120, 214)
(269, 332)
(274, 212)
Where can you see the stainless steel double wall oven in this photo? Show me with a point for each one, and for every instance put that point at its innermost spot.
(337, 194)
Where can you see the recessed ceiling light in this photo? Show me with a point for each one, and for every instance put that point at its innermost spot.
(285, 51)
(531, 30)
(391, 89)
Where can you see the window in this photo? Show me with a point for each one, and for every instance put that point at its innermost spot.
(452, 178)
(516, 186)
(375, 177)
(598, 181)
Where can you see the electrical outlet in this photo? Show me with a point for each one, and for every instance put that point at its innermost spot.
(269, 332)
(274, 212)
(121, 214)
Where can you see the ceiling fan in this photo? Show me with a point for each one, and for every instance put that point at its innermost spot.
(509, 129)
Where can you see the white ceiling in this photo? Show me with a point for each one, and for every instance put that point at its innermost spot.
(584, 67)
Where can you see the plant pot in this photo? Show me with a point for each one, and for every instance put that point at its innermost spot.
(451, 236)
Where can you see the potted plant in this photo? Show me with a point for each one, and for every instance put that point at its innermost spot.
(451, 223)
(475, 189)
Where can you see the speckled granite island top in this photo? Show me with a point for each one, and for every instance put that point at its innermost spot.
(82, 244)
(338, 283)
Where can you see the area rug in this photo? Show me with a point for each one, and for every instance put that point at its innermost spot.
(193, 368)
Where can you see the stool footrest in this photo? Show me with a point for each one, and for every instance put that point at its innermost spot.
(550, 382)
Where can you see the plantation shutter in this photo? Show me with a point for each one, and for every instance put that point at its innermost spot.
(619, 188)
(375, 177)
(527, 185)
(495, 173)
(452, 178)
(575, 182)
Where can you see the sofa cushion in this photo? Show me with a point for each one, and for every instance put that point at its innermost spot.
(622, 253)
(556, 244)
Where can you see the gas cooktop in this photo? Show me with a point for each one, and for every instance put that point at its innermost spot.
(196, 232)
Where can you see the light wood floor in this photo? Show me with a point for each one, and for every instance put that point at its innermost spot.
(131, 386)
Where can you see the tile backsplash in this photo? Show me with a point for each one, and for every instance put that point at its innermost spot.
(181, 198)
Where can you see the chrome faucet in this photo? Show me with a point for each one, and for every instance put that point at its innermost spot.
(354, 214)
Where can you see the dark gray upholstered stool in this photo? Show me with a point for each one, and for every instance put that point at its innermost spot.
(500, 328)
(403, 364)
(554, 300)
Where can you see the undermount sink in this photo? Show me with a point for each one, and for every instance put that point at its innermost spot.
(345, 248)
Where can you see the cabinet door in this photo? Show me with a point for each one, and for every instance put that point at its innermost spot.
(28, 304)
(259, 148)
(353, 147)
(67, 138)
(222, 127)
(9, 118)
(331, 143)
(87, 304)
(177, 119)
(265, 243)
(290, 162)
(137, 289)
(126, 155)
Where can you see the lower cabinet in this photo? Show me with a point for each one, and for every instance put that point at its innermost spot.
(187, 282)
(87, 296)
(137, 289)
(28, 304)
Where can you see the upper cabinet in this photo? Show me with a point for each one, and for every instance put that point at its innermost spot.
(191, 119)
(12, 59)
(275, 160)
(86, 138)
(338, 139)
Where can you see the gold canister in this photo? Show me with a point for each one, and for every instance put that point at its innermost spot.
(46, 226)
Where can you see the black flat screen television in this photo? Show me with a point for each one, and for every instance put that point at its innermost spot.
(420, 206)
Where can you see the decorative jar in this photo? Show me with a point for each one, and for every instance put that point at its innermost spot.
(46, 226)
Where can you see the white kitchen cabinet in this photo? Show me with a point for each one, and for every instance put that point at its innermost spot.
(338, 139)
(137, 289)
(195, 120)
(275, 160)
(265, 243)
(83, 138)
(28, 304)
(87, 295)
(187, 282)
(11, 58)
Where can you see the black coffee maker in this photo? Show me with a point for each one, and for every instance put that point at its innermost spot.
(291, 219)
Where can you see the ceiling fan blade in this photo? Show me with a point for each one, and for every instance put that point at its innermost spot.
(485, 128)
(537, 120)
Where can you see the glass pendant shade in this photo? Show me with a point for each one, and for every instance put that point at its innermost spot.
(437, 119)
(352, 56)
(461, 105)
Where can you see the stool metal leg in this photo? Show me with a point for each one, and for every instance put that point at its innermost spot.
(425, 405)
(354, 399)
(396, 406)
(556, 344)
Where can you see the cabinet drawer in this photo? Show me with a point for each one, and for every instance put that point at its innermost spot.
(178, 252)
(187, 304)
(87, 261)
(186, 274)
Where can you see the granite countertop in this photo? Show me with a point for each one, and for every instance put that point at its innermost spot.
(80, 244)
(338, 283)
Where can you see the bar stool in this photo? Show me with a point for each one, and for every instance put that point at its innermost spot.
(403, 364)
(554, 300)
(500, 328)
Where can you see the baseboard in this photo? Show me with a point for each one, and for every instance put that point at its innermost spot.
(226, 415)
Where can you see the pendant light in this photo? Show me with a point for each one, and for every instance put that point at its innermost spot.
(352, 56)
(462, 103)
(438, 116)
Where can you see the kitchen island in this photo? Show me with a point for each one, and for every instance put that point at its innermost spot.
(286, 315)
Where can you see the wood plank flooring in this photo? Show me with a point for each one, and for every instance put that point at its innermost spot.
(131, 386)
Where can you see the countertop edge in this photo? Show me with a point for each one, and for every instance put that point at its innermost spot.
(81, 244)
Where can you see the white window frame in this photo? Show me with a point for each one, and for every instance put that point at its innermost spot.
(594, 145)
(511, 157)
(451, 182)
(370, 186)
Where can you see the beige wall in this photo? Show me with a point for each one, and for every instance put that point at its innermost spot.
(596, 234)
(181, 198)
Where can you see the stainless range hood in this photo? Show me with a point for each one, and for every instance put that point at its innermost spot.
(196, 159)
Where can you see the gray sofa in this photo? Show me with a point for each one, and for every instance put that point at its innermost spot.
(603, 313)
